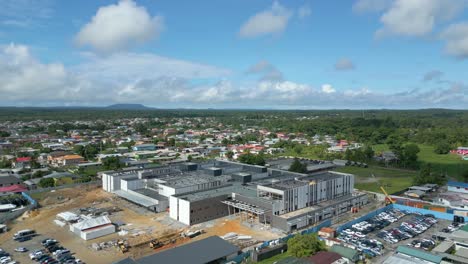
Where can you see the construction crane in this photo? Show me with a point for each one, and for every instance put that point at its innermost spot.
(388, 199)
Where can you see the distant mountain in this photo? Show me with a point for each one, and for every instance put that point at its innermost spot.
(127, 107)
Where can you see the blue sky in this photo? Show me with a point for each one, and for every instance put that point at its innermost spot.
(235, 54)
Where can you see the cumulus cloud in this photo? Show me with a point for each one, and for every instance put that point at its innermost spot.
(304, 11)
(365, 6)
(328, 89)
(434, 75)
(267, 71)
(344, 64)
(116, 27)
(417, 17)
(456, 38)
(28, 81)
(271, 21)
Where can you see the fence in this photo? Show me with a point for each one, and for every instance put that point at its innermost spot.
(99, 182)
(241, 257)
(6, 217)
(30, 199)
(437, 214)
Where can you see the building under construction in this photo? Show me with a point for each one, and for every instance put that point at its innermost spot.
(198, 192)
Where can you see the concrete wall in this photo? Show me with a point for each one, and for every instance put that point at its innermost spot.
(184, 211)
(166, 190)
(112, 183)
(207, 209)
(132, 184)
(104, 231)
(174, 208)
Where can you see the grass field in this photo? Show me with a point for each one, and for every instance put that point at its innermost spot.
(451, 164)
(309, 152)
(370, 179)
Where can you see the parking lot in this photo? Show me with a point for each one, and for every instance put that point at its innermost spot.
(40, 249)
(378, 237)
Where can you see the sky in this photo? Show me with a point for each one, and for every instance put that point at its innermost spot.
(256, 54)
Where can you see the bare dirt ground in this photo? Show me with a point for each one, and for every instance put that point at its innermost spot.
(141, 225)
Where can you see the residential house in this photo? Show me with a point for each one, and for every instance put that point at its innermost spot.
(67, 160)
(22, 163)
(144, 147)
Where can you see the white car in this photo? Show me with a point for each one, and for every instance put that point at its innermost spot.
(35, 254)
(5, 259)
(60, 252)
(21, 249)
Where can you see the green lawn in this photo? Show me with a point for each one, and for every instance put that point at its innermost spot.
(451, 164)
(394, 180)
(309, 152)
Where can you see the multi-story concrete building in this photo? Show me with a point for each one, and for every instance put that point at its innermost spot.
(195, 193)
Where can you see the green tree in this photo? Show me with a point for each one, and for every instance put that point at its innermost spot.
(427, 175)
(298, 149)
(46, 182)
(4, 163)
(305, 245)
(442, 148)
(249, 158)
(111, 163)
(409, 156)
(171, 142)
(369, 153)
(297, 166)
(4, 133)
(229, 154)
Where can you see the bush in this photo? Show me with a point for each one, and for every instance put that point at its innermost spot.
(46, 182)
(305, 245)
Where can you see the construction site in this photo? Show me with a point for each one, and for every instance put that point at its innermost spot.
(138, 232)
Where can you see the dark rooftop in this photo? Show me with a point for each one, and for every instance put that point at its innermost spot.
(198, 252)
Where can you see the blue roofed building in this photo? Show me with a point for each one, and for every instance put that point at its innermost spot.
(460, 187)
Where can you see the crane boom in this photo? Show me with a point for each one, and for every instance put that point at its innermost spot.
(386, 195)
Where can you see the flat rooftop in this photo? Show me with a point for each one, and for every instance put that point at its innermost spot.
(223, 190)
(189, 179)
(152, 194)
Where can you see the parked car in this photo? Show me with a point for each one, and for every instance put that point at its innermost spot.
(21, 249)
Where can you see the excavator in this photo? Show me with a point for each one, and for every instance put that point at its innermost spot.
(155, 244)
(388, 199)
(122, 246)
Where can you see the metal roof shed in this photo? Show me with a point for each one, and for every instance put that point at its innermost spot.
(199, 252)
(419, 254)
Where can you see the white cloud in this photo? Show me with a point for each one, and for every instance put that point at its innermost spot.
(116, 27)
(456, 37)
(135, 66)
(328, 89)
(271, 21)
(27, 81)
(364, 6)
(304, 11)
(417, 17)
(344, 64)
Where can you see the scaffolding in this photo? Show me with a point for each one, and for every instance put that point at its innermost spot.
(245, 207)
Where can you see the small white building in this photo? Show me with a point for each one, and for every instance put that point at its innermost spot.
(460, 187)
(93, 228)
